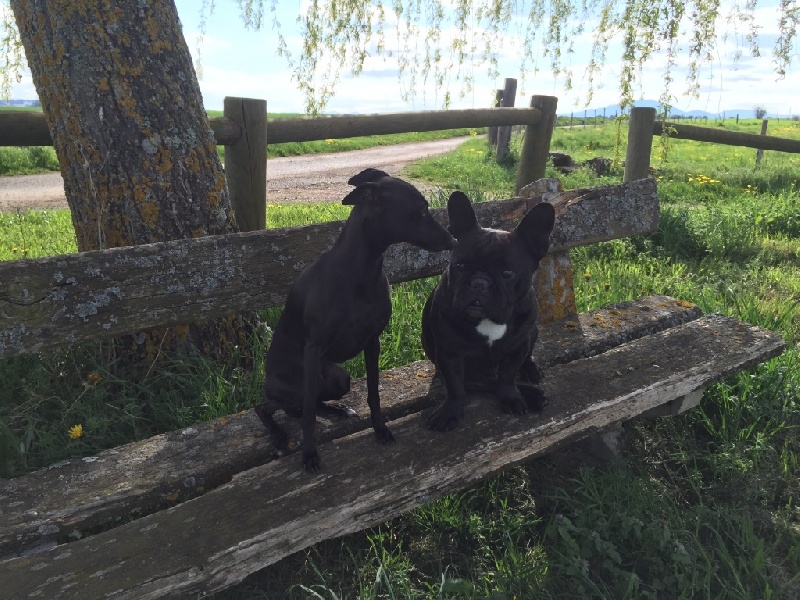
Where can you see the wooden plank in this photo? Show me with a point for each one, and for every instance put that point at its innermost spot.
(268, 512)
(536, 143)
(504, 133)
(246, 163)
(640, 142)
(729, 138)
(24, 128)
(75, 497)
(91, 295)
(304, 129)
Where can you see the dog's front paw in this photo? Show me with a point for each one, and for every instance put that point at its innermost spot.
(311, 461)
(530, 372)
(383, 435)
(445, 418)
(534, 397)
(513, 403)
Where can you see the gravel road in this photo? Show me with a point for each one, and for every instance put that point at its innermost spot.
(311, 178)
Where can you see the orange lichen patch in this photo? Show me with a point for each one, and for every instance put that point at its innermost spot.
(192, 162)
(685, 304)
(555, 293)
(606, 320)
(150, 213)
(164, 164)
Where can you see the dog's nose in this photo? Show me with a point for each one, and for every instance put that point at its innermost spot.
(480, 284)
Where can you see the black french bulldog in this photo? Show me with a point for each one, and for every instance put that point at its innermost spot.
(340, 304)
(479, 324)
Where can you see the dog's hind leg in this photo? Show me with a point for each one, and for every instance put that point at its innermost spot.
(280, 439)
(371, 353)
(529, 376)
(335, 384)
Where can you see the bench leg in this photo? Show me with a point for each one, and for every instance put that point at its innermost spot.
(677, 406)
(604, 446)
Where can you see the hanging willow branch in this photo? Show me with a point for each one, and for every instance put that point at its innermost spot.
(440, 43)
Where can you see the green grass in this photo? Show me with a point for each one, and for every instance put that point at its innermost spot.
(703, 506)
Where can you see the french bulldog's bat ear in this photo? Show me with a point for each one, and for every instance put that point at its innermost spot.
(460, 214)
(369, 175)
(535, 228)
(364, 193)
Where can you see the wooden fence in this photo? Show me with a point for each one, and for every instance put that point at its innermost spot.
(245, 131)
(643, 127)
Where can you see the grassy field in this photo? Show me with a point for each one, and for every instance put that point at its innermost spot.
(706, 505)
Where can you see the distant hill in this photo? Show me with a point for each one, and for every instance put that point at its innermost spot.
(613, 109)
(20, 103)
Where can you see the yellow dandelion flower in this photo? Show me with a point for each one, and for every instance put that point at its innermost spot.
(587, 275)
(14, 249)
(75, 432)
(329, 141)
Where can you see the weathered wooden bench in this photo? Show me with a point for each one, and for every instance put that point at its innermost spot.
(197, 510)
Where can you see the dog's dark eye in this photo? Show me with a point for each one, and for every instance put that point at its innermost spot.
(508, 274)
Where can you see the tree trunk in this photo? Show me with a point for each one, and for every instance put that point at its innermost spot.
(136, 150)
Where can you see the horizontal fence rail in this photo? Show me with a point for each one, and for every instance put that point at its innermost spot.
(727, 138)
(20, 128)
(643, 126)
(245, 132)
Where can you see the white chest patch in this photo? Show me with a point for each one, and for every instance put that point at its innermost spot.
(491, 331)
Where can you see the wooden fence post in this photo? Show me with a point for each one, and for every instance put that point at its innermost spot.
(504, 133)
(498, 101)
(246, 163)
(536, 144)
(760, 151)
(640, 142)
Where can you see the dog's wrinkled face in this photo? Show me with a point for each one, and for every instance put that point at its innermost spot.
(490, 272)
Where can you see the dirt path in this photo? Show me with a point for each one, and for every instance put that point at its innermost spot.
(311, 178)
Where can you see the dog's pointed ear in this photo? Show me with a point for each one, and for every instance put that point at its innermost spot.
(363, 194)
(535, 228)
(460, 214)
(369, 175)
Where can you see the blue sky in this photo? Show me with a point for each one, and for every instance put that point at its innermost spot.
(239, 62)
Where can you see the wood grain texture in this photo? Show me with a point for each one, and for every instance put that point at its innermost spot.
(75, 497)
(640, 142)
(267, 512)
(93, 295)
(729, 138)
(246, 163)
